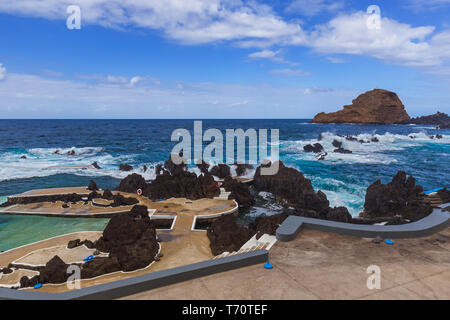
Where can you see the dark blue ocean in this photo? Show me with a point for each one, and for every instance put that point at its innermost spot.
(343, 177)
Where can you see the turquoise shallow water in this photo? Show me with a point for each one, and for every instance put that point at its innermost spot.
(20, 230)
(343, 178)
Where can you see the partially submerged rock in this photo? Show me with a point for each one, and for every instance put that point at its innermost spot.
(125, 167)
(316, 148)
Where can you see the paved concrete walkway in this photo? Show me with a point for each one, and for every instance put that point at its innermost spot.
(320, 265)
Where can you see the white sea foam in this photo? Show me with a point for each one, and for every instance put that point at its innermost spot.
(41, 162)
(372, 152)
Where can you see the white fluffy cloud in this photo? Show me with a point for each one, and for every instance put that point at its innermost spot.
(188, 21)
(395, 42)
(2, 72)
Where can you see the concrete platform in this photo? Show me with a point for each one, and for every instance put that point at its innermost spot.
(319, 265)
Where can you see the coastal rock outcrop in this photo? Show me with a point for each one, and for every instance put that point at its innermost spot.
(172, 167)
(243, 168)
(239, 192)
(182, 184)
(401, 197)
(132, 183)
(221, 171)
(373, 107)
(440, 119)
(225, 235)
(296, 191)
(288, 184)
(203, 166)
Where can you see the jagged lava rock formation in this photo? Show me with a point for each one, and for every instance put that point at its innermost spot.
(296, 191)
(373, 107)
(174, 182)
(400, 198)
(440, 119)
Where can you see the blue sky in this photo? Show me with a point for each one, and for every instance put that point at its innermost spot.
(219, 59)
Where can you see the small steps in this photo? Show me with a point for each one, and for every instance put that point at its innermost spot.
(263, 243)
(224, 195)
(434, 200)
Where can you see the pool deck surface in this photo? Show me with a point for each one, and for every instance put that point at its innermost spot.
(318, 265)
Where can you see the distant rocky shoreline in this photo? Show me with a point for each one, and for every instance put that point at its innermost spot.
(380, 106)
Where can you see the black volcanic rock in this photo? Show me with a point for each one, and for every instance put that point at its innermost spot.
(132, 183)
(93, 195)
(239, 192)
(342, 150)
(95, 165)
(290, 185)
(400, 197)
(440, 119)
(182, 184)
(241, 168)
(92, 186)
(221, 171)
(316, 148)
(203, 166)
(444, 195)
(107, 195)
(267, 225)
(55, 271)
(172, 167)
(125, 167)
(337, 144)
(119, 200)
(225, 235)
(6, 270)
(26, 282)
(130, 238)
(99, 266)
